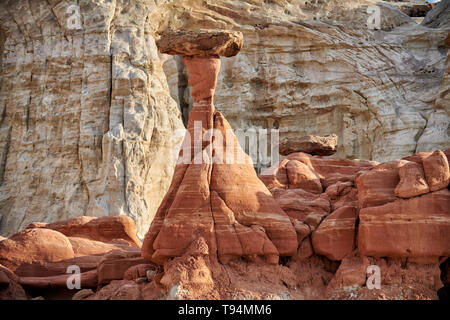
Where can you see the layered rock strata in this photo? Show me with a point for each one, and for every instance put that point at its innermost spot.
(317, 67)
(215, 193)
(88, 126)
(44, 255)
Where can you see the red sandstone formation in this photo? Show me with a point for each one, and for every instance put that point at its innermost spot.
(335, 237)
(377, 186)
(302, 177)
(202, 43)
(406, 237)
(219, 200)
(437, 170)
(418, 227)
(400, 216)
(332, 217)
(118, 229)
(10, 289)
(412, 181)
(103, 248)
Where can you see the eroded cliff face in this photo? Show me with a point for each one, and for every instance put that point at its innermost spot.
(314, 67)
(87, 122)
(89, 125)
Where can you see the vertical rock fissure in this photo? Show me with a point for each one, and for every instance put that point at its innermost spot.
(4, 158)
(211, 168)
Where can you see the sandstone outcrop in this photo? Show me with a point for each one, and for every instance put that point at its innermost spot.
(302, 202)
(437, 170)
(212, 196)
(406, 238)
(114, 264)
(86, 129)
(379, 210)
(102, 248)
(412, 181)
(207, 43)
(106, 229)
(377, 186)
(300, 176)
(10, 289)
(418, 227)
(88, 124)
(314, 145)
(29, 251)
(95, 110)
(335, 237)
(383, 92)
(329, 170)
(405, 208)
(439, 17)
(349, 282)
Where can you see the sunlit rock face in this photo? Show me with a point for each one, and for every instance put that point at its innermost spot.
(87, 122)
(315, 68)
(89, 117)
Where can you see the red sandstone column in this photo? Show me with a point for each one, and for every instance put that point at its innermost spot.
(203, 73)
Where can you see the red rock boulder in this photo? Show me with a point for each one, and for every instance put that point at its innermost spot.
(412, 181)
(437, 170)
(335, 237)
(418, 227)
(298, 203)
(342, 194)
(41, 255)
(117, 229)
(301, 176)
(36, 252)
(377, 186)
(329, 170)
(114, 264)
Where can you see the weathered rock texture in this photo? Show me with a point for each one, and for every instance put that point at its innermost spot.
(335, 237)
(102, 248)
(400, 214)
(407, 238)
(439, 16)
(315, 145)
(416, 227)
(206, 43)
(384, 214)
(87, 122)
(326, 215)
(219, 198)
(314, 68)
